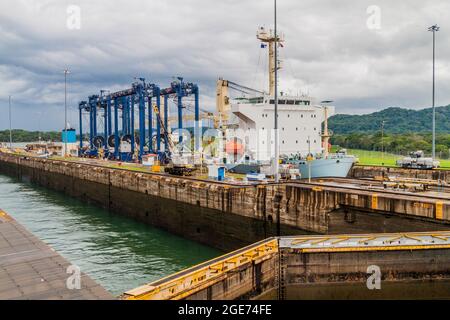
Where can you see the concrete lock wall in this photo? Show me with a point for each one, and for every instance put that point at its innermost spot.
(245, 283)
(378, 171)
(221, 215)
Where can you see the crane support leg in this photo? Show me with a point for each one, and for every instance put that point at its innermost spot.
(124, 116)
(109, 117)
(91, 126)
(105, 145)
(158, 123)
(197, 124)
(95, 119)
(81, 130)
(141, 124)
(166, 123)
(132, 125)
(150, 125)
(116, 128)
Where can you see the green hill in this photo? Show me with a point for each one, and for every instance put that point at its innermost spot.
(19, 135)
(397, 120)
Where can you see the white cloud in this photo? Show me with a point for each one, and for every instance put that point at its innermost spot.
(329, 51)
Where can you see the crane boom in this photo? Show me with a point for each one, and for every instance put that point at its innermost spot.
(164, 130)
(223, 100)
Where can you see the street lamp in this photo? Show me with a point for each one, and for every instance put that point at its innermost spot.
(66, 72)
(277, 151)
(10, 131)
(434, 29)
(382, 142)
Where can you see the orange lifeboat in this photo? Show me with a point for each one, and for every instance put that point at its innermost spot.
(234, 147)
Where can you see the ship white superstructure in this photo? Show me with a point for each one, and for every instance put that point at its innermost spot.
(300, 125)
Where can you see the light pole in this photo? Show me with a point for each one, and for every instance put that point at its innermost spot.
(277, 151)
(66, 72)
(10, 131)
(434, 29)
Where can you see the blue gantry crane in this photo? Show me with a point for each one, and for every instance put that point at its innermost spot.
(118, 139)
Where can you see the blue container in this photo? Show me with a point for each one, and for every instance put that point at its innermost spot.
(221, 173)
(71, 136)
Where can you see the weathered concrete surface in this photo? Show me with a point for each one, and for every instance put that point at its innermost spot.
(222, 215)
(226, 217)
(348, 220)
(405, 274)
(408, 205)
(408, 265)
(30, 269)
(245, 283)
(378, 171)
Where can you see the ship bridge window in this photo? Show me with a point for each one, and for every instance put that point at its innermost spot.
(256, 100)
(272, 101)
(298, 102)
(290, 101)
(282, 102)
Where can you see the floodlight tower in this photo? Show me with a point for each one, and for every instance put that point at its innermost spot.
(434, 29)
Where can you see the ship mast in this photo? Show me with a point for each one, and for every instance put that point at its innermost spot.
(326, 135)
(272, 39)
(268, 38)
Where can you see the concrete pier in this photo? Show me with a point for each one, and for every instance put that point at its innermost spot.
(405, 266)
(31, 270)
(232, 215)
(379, 171)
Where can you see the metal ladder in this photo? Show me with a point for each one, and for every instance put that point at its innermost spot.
(281, 275)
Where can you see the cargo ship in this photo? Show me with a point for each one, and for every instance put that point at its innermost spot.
(300, 119)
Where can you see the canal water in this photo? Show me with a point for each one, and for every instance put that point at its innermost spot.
(117, 252)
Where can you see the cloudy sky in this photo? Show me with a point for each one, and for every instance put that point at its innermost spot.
(364, 55)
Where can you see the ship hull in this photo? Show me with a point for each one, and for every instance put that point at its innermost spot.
(322, 168)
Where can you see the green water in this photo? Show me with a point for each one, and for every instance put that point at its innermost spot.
(117, 252)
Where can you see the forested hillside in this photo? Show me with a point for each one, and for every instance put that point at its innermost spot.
(397, 120)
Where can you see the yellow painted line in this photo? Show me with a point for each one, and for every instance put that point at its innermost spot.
(320, 240)
(395, 238)
(5, 216)
(340, 240)
(294, 242)
(378, 248)
(367, 239)
(412, 238)
(437, 236)
(439, 210)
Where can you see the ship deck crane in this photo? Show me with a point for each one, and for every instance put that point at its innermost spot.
(223, 100)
